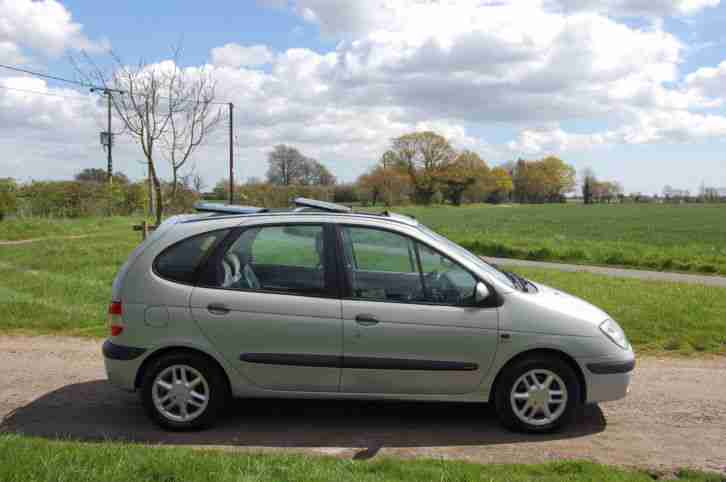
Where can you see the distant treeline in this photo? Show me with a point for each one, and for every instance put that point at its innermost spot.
(418, 168)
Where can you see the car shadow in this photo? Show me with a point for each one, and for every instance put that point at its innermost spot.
(96, 410)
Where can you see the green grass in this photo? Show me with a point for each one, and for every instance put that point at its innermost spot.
(63, 286)
(33, 460)
(662, 237)
(34, 228)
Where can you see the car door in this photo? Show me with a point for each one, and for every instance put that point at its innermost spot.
(268, 301)
(409, 322)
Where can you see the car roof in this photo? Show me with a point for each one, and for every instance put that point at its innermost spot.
(303, 208)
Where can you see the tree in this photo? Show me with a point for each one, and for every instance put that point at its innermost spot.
(94, 174)
(502, 184)
(462, 172)
(164, 108)
(385, 182)
(423, 154)
(192, 116)
(546, 180)
(314, 173)
(286, 165)
(588, 182)
(559, 178)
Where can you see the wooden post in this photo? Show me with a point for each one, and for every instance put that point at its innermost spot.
(144, 229)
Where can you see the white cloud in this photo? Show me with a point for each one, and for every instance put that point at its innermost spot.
(638, 8)
(709, 82)
(235, 55)
(452, 67)
(45, 26)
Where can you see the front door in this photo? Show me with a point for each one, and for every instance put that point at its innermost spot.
(267, 304)
(410, 324)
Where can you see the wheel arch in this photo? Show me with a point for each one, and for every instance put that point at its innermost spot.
(178, 349)
(552, 352)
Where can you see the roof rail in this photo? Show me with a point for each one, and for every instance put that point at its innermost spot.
(321, 205)
(218, 208)
(410, 220)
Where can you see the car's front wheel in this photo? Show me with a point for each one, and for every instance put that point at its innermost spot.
(183, 391)
(538, 394)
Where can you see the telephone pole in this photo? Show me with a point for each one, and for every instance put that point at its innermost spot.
(107, 136)
(231, 153)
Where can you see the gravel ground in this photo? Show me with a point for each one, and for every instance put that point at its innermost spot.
(674, 417)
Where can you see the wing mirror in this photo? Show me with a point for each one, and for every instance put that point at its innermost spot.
(481, 293)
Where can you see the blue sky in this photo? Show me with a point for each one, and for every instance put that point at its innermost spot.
(630, 91)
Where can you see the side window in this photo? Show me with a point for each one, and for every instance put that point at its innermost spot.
(445, 282)
(180, 261)
(382, 265)
(275, 258)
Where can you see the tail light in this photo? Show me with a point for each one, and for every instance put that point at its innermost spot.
(115, 318)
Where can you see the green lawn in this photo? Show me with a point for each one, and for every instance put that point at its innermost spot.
(34, 228)
(63, 286)
(664, 237)
(33, 460)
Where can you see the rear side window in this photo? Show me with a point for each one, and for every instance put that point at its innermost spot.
(180, 261)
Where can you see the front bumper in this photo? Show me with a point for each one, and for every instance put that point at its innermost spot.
(122, 363)
(608, 380)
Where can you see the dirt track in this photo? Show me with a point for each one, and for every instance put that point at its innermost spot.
(674, 416)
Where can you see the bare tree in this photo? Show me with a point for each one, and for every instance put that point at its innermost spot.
(286, 166)
(167, 110)
(194, 117)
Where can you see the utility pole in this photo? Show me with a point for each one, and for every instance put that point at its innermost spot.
(107, 137)
(231, 153)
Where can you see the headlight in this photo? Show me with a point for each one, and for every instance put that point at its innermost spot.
(613, 331)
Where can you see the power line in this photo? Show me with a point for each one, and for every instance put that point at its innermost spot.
(85, 84)
(46, 76)
(49, 94)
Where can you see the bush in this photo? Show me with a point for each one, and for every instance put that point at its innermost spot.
(8, 198)
(74, 199)
(345, 193)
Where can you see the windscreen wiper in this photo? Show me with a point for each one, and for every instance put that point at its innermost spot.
(516, 280)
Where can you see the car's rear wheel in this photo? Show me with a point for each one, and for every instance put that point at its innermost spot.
(538, 394)
(184, 391)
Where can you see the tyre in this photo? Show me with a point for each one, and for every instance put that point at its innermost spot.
(538, 394)
(184, 391)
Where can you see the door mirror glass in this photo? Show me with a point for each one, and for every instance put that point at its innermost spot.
(482, 293)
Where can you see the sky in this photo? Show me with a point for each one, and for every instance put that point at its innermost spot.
(633, 89)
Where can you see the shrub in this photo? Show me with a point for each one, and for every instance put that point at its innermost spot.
(8, 198)
(345, 193)
(75, 199)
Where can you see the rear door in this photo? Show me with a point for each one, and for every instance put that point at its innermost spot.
(269, 303)
(410, 325)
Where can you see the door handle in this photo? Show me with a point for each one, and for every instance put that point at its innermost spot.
(217, 309)
(366, 319)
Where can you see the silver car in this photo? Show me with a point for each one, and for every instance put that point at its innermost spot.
(320, 302)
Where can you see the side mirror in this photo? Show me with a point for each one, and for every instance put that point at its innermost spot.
(481, 293)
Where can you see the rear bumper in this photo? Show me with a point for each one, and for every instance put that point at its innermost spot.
(609, 380)
(122, 364)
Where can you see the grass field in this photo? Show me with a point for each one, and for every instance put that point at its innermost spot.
(63, 286)
(664, 237)
(34, 460)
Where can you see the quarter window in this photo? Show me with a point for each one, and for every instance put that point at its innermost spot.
(181, 260)
(286, 258)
